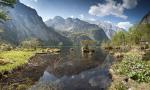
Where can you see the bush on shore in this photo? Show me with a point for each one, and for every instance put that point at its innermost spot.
(132, 72)
(134, 67)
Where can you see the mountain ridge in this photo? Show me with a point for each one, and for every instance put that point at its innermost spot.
(78, 29)
(70, 24)
(26, 23)
(145, 19)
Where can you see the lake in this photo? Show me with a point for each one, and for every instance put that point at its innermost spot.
(74, 70)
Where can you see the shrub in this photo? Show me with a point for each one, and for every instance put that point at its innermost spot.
(32, 43)
(6, 47)
(133, 67)
(106, 44)
(120, 86)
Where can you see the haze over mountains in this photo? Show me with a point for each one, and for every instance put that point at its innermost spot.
(25, 23)
(77, 25)
(71, 24)
(108, 27)
(78, 29)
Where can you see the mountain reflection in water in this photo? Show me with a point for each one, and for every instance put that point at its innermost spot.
(77, 71)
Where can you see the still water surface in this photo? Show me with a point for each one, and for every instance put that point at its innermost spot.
(74, 70)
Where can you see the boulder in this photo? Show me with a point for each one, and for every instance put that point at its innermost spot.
(118, 55)
(3, 62)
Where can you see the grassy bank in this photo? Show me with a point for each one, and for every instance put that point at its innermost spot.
(10, 60)
(132, 72)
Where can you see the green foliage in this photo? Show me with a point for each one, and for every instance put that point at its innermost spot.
(120, 86)
(15, 59)
(119, 38)
(8, 2)
(87, 42)
(134, 35)
(32, 43)
(5, 47)
(3, 15)
(145, 32)
(4, 3)
(106, 43)
(133, 67)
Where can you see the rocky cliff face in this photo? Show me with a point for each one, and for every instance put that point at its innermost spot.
(146, 19)
(109, 28)
(71, 24)
(25, 23)
(76, 29)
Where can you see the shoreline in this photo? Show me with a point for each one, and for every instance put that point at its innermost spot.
(122, 81)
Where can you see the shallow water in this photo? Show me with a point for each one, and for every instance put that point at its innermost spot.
(74, 70)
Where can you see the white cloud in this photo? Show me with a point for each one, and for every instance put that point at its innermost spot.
(124, 25)
(72, 16)
(34, 0)
(108, 22)
(31, 0)
(111, 7)
(92, 19)
(129, 4)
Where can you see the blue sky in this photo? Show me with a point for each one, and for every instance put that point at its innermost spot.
(120, 12)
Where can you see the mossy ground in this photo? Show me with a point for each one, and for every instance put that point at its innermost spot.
(14, 59)
(132, 72)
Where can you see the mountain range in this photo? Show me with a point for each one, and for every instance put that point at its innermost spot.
(77, 29)
(71, 24)
(146, 19)
(109, 28)
(24, 24)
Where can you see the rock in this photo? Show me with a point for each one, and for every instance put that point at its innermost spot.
(3, 62)
(146, 19)
(111, 70)
(143, 53)
(25, 23)
(147, 49)
(111, 52)
(70, 24)
(71, 49)
(54, 50)
(77, 29)
(118, 55)
(130, 89)
(85, 49)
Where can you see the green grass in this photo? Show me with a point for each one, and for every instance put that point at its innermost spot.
(15, 59)
(134, 67)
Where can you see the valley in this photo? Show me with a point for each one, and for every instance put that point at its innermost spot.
(45, 47)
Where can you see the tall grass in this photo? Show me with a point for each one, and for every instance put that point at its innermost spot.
(14, 59)
(134, 67)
